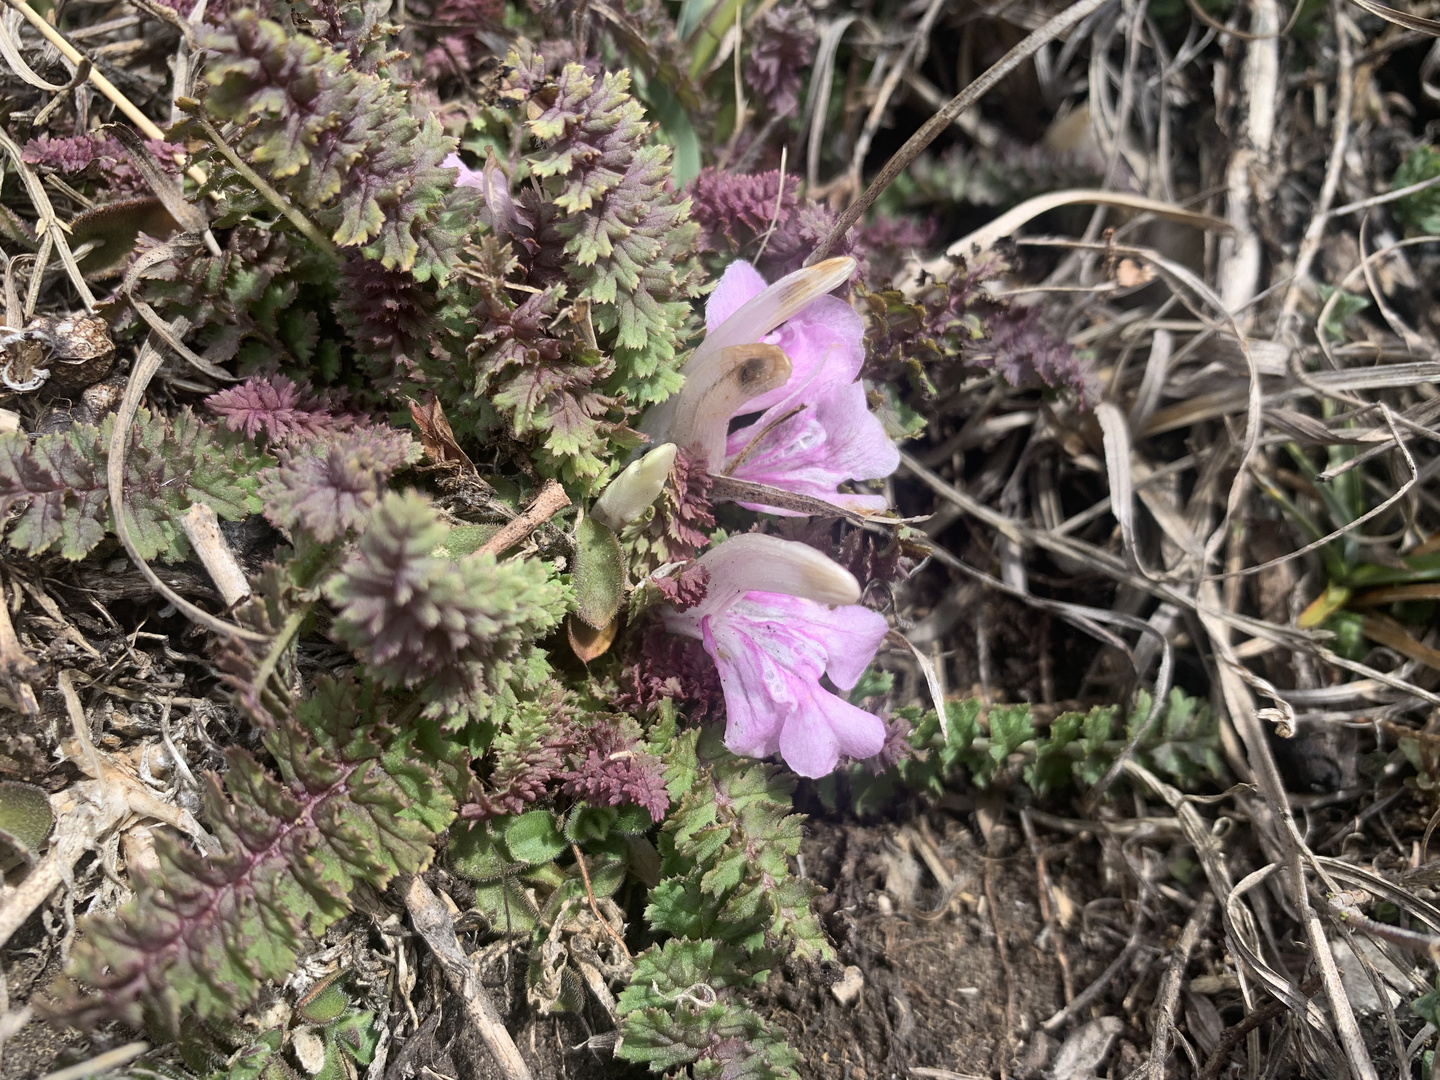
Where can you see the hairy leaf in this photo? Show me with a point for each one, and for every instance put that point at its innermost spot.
(278, 409)
(458, 628)
(331, 487)
(58, 486)
(207, 932)
(341, 142)
(582, 313)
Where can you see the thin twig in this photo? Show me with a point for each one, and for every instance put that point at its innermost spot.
(551, 500)
(433, 923)
(303, 225)
(1002, 951)
(102, 1063)
(74, 835)
(1230, 1037)
(1339, 143)
(1168, 999)
(594, 905)
(146, 365)
(1047, 908)
(202, 529)
(1096, 988)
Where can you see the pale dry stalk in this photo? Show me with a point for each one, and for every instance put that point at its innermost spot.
(1248, 177)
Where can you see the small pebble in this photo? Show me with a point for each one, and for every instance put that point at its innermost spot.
(849, 987)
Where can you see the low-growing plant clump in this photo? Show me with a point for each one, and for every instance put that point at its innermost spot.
(492, 437)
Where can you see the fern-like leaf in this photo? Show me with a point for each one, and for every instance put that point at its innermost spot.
(608, 246)
(330, 487)
(278, 409)
(458, 628)
(340, 142)
(58, 486)
(204, 935)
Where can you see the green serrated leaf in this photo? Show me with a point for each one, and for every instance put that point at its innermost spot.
(324, 1002)
(508, 906)
(293, 850)
(1010, 728)
(590, 824)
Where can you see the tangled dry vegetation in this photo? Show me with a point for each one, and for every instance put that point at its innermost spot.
(1152, 304)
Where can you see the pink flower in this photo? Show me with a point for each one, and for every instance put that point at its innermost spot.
(777, 615)
(792, 354)
(497, 207)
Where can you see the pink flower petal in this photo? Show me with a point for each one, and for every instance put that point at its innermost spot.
(771, 650)
(823, 728)
(826, 346)
(852, 634)
(468, 177)
(739, 283)
(834, 440)
(758, 693)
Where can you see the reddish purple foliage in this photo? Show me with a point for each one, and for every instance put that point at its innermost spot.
(870, 556)
(1026, 352)
(330, 486)
(527, 760)
(663, 665)
(685, 589)
(884, 244)
(104, 155)
(735, 211)
(389, 315)
(616, 772)
(683, 511)
(447, 30)
(955, 324)
(896, 749)
(783, 43)
(511, 791)
(279, 408)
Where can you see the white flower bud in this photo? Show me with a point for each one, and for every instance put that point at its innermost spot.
(626, 497)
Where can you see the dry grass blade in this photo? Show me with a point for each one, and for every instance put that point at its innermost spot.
(1387, 631)
(10, 52)
(147, 363)
(99, 81)
(988, 235)
(292, 214)
(902, 158)
(102, 1063)
(190, 217)
(821, 80)
(1168, 997)
(1417, 23)
(50, 229)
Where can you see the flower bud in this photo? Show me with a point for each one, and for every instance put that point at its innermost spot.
(626, 497)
